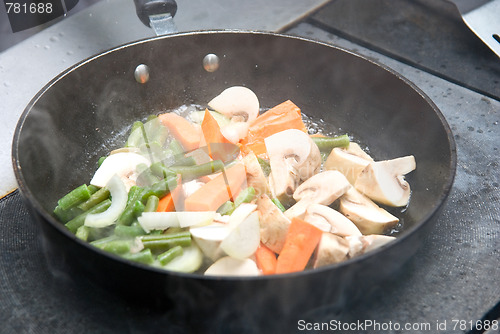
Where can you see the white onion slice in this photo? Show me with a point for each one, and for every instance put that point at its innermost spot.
(119, 197)
(162, 220)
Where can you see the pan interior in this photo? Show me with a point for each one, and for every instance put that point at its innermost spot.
(86, 112)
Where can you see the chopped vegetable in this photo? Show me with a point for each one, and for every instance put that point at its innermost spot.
(118, 204)
(221, 189)
(300, 243)
(183, 131)
(266, 260)
(282, 117)
(74, 197)
(211, 131)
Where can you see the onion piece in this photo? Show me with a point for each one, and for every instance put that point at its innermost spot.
(119, 196)
(163, 220)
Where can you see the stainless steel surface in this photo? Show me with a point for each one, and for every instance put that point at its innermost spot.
(483, 18)
(163, 24)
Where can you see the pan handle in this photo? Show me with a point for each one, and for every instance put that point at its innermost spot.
(146, 8)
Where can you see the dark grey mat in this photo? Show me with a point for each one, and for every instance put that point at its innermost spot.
(428, 34)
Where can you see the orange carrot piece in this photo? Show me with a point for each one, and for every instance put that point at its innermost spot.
(217, 191)
(182, 130)
(211, 130)
(173, 200)
(281, 117)
(301, 241)
(266, 260)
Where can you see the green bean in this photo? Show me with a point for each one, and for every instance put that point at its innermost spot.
(159, 189)
(151, 204)
(79, 220)
(194, 172)
(68, 214)
(82, 233)
(227, 208)
(145, 256)
(74, 197)
(92, 189)
(100, 161)
(160, 170)
(182, 160)
(129, 214)
(176, 147)
(265, 165)
(96, 198)
(136, 135)
(131, 231)
(245, 196)
(170, 254)
(278, 204)
(113, 245)
(326, 144)
(160, 245)
(162, 242)
(145, 176)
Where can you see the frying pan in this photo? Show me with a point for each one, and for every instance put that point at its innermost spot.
(85, 112)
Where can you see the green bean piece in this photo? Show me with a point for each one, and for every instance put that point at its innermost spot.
(96, 198)
(92, 189)
(136, 135)
(265, 165)
(170, 254)
(74, 197)
(79, 220)
(193, 172)
(131, 231)
(145, 176)
(227, 208)
(113, 245)
(278, 204)
(176, 147)
(100, 161)
(160, 170)
(326, 144)
(66, 215)
(145, 256)
(82, 233)
(245, 196)
(176, 234)
(129, 214)
(182, 160)
(151, 204)
(159, 189)
(162, 242)
(139, 208)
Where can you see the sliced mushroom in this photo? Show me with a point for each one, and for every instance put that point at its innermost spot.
(330, 220)
(362, 244)
(349, 162)
(273, 224)
(384, 182)
(237, 102)
(255, 174)
(322, 188)
(365, 214)
(293, 157)
(331, 249)
(123, 164)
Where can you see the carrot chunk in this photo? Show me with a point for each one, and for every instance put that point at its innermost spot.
(173, 200)
(281, 117)
(301, 241)
(266, 260)
(217, 191)
(182, 130)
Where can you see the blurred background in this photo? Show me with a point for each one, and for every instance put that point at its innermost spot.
(8, 38)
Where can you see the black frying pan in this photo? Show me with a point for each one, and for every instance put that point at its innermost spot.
(83, 113)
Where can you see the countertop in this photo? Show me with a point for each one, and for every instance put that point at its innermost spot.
(453, 278)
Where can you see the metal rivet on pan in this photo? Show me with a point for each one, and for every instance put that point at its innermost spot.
(211, 62)
(141, 73)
